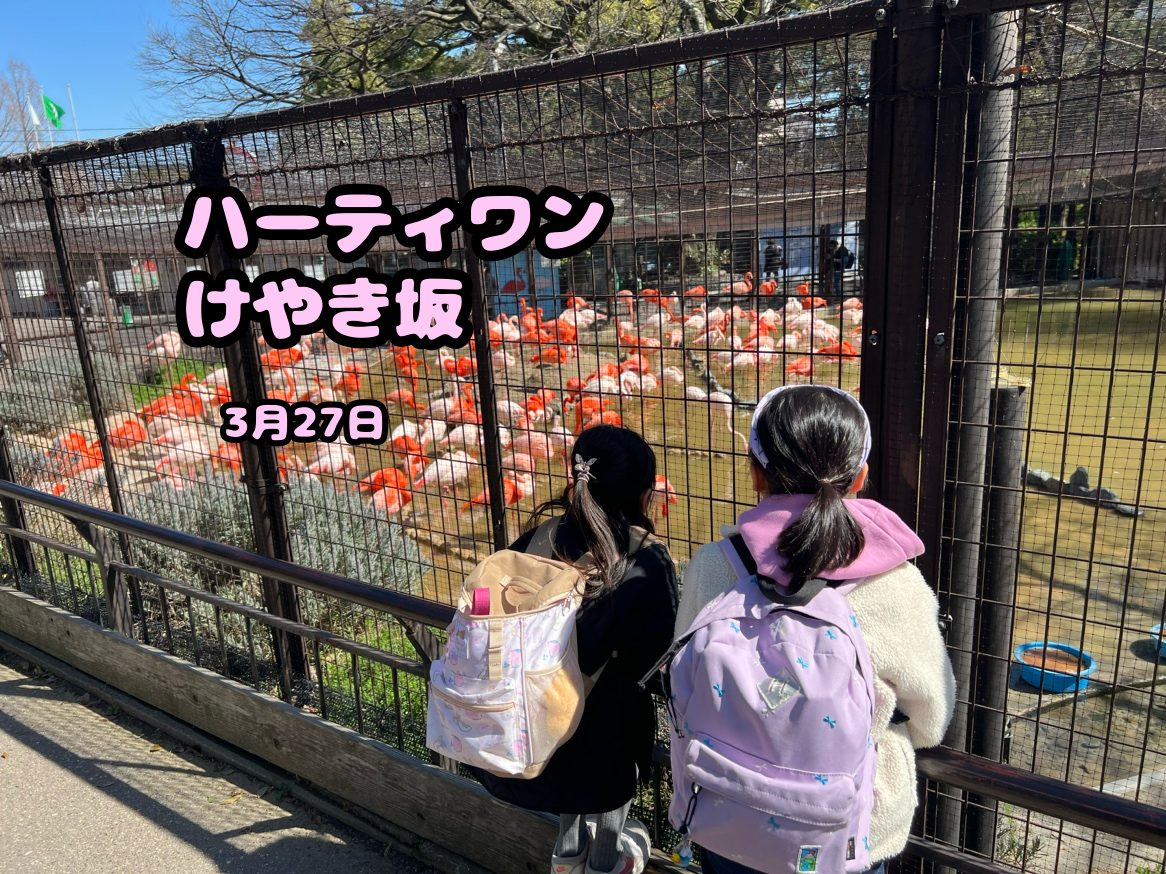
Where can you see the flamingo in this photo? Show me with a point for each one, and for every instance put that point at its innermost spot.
(803, 366)
(726, 404)
(518, 461)
(508, 411)
(697, 321)
(517, 285)
(131, 433)
(217, 378)
(561, 438)
(333, 459)
(743, 287)
(228, 455)
(446, 472)
(509, 492)
(666, 493)
(187, 447)
(433, 432)
(402, 397)
(386, 477)
(652, 296)
(468, 436)
(503, 360)
(536, 444)
(391, 501)
(166, 346)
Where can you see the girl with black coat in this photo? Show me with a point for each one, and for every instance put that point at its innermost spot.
(623, 626)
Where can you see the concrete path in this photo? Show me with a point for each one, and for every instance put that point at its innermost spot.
(84, 789)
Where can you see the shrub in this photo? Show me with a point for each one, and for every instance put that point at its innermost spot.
(41, 395)
(27, 461)
(329, 530)
(216, 509)
(47, 394)
(338, 532)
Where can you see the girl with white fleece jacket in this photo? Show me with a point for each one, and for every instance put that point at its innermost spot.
(808, 448)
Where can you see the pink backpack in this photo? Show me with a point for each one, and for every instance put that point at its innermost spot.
(771, 699)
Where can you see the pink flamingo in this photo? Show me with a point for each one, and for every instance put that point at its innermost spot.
(517, 285)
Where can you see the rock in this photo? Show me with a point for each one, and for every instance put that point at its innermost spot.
(1127, 510)
(1107, 495)
(1042, 479)
(1079, 483)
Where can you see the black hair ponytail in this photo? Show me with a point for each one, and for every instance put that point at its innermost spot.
(606, 498)
(813, 442)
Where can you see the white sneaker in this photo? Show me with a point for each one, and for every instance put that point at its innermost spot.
(569, 864)
(635, 846)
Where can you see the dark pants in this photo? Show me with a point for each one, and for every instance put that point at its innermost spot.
(711, 863)
(838, 283)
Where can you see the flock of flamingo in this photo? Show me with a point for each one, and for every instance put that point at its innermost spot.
(554, 377)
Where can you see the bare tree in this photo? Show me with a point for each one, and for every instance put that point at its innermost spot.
(17, 90)
(230, 55)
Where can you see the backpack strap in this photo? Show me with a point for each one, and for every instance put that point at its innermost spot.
(769, 586)
(543, 542)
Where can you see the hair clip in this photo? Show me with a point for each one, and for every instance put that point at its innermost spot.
(583, 468)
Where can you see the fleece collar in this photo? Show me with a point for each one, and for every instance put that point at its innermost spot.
(889, 542)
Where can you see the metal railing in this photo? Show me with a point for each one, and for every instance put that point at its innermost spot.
(83, 594)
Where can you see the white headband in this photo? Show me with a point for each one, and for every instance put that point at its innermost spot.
(755, 443)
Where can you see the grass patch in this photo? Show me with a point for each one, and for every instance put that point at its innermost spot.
(168, 377)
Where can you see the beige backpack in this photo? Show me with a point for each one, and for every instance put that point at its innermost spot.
(508, 691)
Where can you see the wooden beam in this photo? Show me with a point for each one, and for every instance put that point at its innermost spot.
(421, 798)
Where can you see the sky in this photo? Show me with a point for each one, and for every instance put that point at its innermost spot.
(92, 46)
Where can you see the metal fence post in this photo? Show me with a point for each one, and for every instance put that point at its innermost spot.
(260, 465)
(912, 250)
(459, 138)
(93, 391)
(903, 132)
(993, 652)
(20, 550)
(974, 390)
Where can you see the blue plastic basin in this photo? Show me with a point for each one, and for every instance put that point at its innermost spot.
(1158, 633)
(1055, 681)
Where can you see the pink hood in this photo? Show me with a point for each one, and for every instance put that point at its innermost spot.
(889, 542)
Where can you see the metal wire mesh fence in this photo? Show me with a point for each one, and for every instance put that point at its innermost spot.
(958, 210)
(1051, 546)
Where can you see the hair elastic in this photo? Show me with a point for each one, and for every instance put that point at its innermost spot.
(755, 443)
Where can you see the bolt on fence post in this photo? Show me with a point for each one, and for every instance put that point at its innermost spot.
(93, 391)
(260, 466)
(459, 139)
(20, 550)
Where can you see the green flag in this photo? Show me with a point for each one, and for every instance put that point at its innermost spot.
(53, 112)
